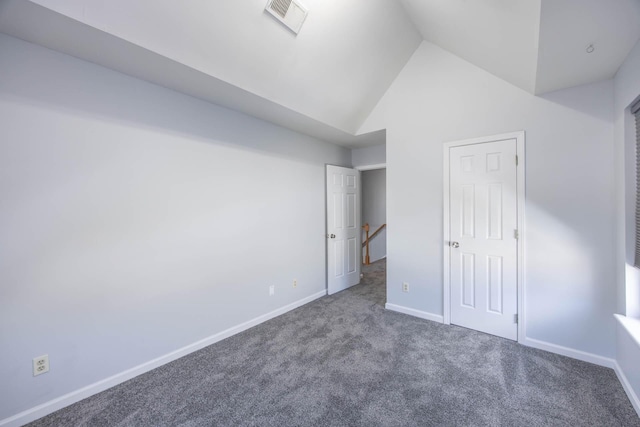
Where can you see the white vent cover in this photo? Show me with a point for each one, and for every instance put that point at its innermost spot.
(289, 12)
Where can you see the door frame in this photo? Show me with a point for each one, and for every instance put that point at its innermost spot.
(520, 190)
(364, 168)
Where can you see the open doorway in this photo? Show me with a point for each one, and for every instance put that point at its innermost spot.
(374, 215)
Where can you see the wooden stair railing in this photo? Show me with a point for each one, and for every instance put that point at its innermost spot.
(368, 238)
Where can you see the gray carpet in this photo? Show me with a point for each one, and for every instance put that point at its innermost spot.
(344, 361)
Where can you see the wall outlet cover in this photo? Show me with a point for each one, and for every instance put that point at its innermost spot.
(40, 365)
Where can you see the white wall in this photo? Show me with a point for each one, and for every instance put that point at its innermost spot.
(368, 156)
(374, 210)
(627, 89)
(136, 220)
(570, 195)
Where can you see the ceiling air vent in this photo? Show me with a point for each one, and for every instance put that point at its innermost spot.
(289, 12)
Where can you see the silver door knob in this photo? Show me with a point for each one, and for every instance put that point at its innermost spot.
(455, 244)
(333, 236)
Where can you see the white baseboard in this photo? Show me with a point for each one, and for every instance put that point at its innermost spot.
(569, 352)
(416, 313)
(75, 396)
(633, 397)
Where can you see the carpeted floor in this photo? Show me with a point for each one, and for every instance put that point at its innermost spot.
(344, 361)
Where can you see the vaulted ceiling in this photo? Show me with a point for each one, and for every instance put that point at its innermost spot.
(327, 79)
(537, 45)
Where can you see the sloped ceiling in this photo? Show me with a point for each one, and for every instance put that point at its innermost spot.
(537, 45)
(326, 80)
(568, 27)
(333, 72)
(500, 36)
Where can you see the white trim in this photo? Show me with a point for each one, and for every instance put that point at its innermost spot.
(371, 167)
(632, 328)
(446, 216)
(633, 397)
(75, 396)
(631, 325)
(522, 234)
(415, 313)
(520, 179)
(569, 352)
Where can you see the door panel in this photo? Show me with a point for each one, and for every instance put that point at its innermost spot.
(352, 255)
(468, 280)
(468, 215)
(494, 284)
(494, 212)
(351, 212)
(338, 259)
(343, 228)
(483, 220)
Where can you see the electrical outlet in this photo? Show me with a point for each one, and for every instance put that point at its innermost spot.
(272, 290)
(405, 287)
(295, 283)
(40, 365)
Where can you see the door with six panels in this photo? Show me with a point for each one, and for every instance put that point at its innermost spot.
(483, 245)
(343, 228)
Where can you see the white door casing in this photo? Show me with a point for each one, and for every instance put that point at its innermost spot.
(343, 228)
(483, 208)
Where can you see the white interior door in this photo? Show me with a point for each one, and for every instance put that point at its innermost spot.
(343, 228)
(483, 245)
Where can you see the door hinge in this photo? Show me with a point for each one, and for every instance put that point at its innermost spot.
(516, 235)
(515, 318)
(516, 160)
